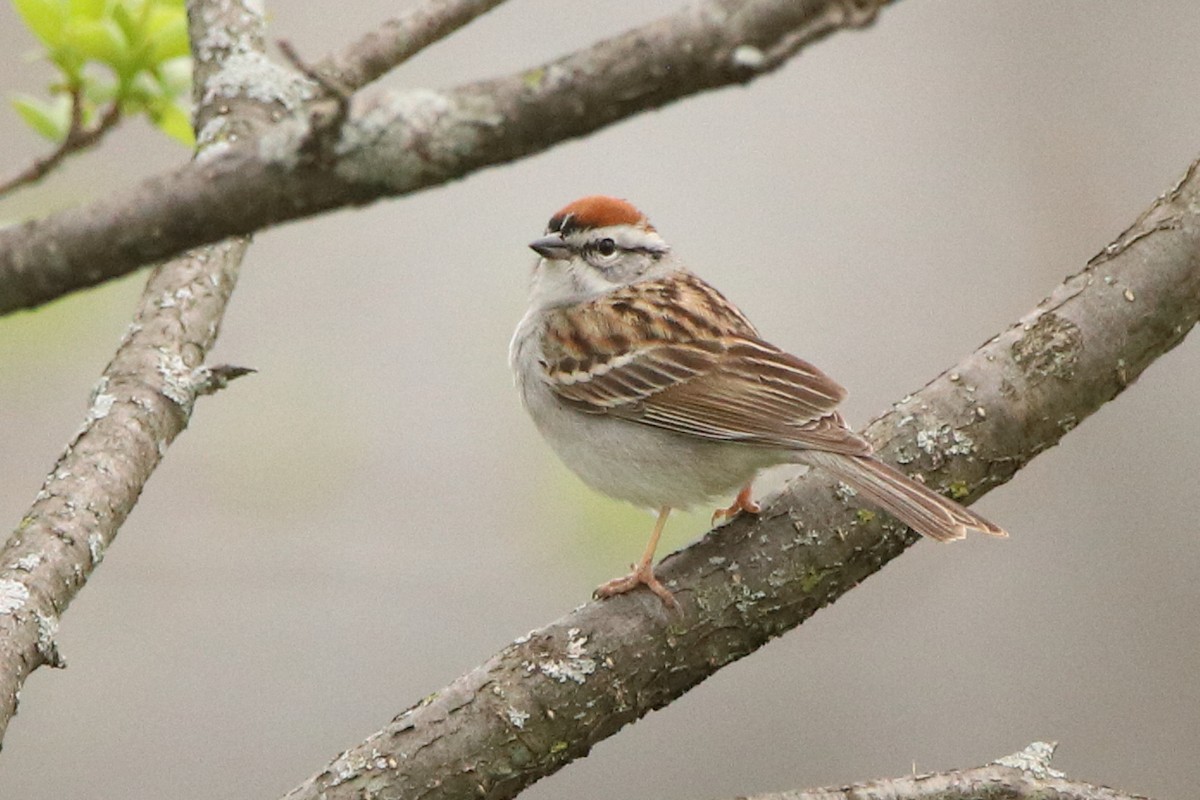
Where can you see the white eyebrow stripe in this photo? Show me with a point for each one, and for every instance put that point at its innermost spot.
(627, 237)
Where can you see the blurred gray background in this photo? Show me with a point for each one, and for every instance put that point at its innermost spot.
(372, 514)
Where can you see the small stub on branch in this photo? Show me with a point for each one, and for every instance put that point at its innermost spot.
(213, 379)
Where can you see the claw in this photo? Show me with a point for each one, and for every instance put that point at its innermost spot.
(642, 575)
(643, 571)
(741, 503)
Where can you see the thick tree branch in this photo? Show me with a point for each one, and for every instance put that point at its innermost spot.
(546, 699)
(1022, 776)
(142, 402)
(398, 143)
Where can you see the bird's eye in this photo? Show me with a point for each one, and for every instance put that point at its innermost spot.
(606, 247)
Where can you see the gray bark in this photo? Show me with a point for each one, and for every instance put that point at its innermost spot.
(396, 143)
(1022, 776)
(143, 400)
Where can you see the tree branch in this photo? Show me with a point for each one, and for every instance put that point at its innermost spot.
(398, 143)
(547, 698)
(399, 39)
(78, 138)
(1022, 776)
(142, 402)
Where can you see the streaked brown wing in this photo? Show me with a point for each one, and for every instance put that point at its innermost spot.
(731, 388)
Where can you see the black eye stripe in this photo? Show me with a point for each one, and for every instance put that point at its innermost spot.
(650, 251)
(604, 247)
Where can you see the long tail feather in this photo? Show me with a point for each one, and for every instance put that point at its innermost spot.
(913, 503)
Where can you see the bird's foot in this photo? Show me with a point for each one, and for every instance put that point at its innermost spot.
(642, 575)
(741, 503)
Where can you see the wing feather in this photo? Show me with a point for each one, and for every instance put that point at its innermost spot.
(722, 395)
(677, 356)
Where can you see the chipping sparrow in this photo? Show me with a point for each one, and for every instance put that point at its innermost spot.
(655, 389)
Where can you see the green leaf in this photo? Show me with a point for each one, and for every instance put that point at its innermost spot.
(129, 26)
(156, 17)
(52, 119)
(175, 76)
(143, 42)
(99, 40)
(68, 58)
(168, 35)
(87, 9)
(99, 92)
(143, 88)
(176, 123)
(44, 17)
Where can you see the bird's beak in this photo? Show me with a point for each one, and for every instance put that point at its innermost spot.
(552, 247)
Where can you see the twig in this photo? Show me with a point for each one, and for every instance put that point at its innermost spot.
(1022, 776)
(323, 136)
(210, 380)
(332, 86)
(142, 402)
(78, 138)
(399, 39)
(399, 143)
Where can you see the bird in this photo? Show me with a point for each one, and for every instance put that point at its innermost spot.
(655, 389)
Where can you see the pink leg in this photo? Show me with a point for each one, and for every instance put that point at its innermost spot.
(643, 571)
(741, 503)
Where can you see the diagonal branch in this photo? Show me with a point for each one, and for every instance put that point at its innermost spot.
(1022, 776)
(398, 143)
(142, 402)
(399, 39)
(79, 137)
(550, 696)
